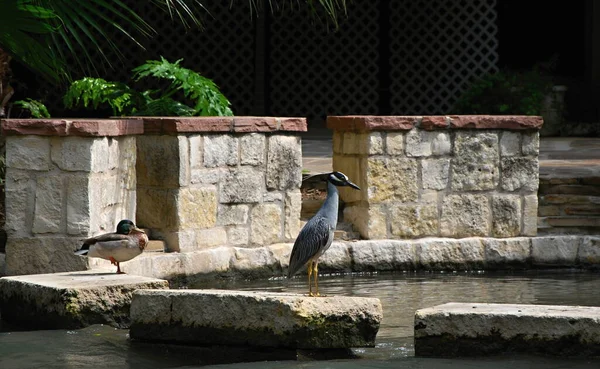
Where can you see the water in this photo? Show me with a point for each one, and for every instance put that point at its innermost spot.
(400, 294)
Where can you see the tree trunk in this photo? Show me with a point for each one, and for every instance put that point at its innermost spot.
(6, 91)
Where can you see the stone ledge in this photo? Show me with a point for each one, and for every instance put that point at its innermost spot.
(72, 127)
(71, 300)
(472, 329)
(406, 123)
(176, 125)
(266, 319)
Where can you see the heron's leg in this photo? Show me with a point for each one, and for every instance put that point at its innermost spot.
(309, 281)
(316, 273)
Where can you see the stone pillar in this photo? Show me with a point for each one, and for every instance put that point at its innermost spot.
(206, 182)
(65, 181)
(458, 176)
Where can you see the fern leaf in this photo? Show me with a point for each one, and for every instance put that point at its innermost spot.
(96, 91)
(37, 109)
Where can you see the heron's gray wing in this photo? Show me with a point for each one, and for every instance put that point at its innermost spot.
(312, 238)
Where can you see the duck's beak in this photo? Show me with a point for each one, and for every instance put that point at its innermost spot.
(353, 185)
(139, 230)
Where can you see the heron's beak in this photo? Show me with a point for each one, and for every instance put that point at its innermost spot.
(353, 185)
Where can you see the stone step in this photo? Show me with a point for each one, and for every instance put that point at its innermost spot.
(569, 181)
(473, 329)
(558, 199)
(156, 246)
(71, 300)
(566, 221)
(212, 317)
(570, 189)
(583, 209)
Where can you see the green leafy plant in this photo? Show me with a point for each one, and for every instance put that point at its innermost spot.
(183, 83)
(506, 92)
(36, 109)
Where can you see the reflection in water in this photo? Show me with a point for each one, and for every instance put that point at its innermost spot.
(400, 295)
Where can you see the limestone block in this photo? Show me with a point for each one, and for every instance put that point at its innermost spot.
(370, 222)
(20, 202)
(473, 329)
(35, 255)
(182, 241)
(207, 176)
(589, 251)
(374, 144)
(206, 238)
(157, 208)
(395, 143)
(555, 250)
(220, 150)
(506, 213)
(418, 143)
(272, 196)
(209, 261)
(184, 161)
(466, 253)
(435, 173)
(196, 143)
(253, 149)
(284, 162)
(158, 161)
(73, 153)
(530, 215)
(293, 207)
(465, 216)
(238, 236)
(48, 205)
(254, 262)
(503, 253)
(266, 220)
(383, 255)
(337, 142)
(392, 179)
(475, 162)
(78, 205)
(281, 252)
(28, 152)
(353, 143)
(519, 174)
(430, 197)
(244, 185)
(414, 220)
(197, 207)
(100, 155)
(337, 258)
(71, 300)
(531, 143)
(353, 167)
(270, 319)
(127, 162)
(510, 144)
(114, 151)
(232, 214)
(440, 143)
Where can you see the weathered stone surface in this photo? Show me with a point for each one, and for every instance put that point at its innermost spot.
(254, 262)
(519, 173)
(292, 124)
(272, 196)
(555, 251)
(266, 224)
(434, 122)
(475, 162)
(414, 220)
(371, 123)
(34, 255)
(71, 300)
(238, 236)
(436, 253)
(213, 317)
(395, 143)
(336, 259)
(510, 144)
(518, 122)
(418, 143)
(374, 143)
(252, 150)
(197, 208)
(220, 150)
(531, 143)
(206, 238)
(392, 179)
(370, 222)
(383, 255)
(208, 176)
(293, 207)
(506, 213)
(465, 216)
(156, 208)
(244, 185)
(48, 205)
(530, 215)
(254, 124)
(284, 162)
(176, 125)
(589, 251)
(440, 143)
(353, 142)
(233, 214)
(473, 329)
(73, 153)
(29, 152)
(338, 142)
(20, 202)
(196, 145)
(503, 253)
(435, 173)
(548, 210)
(158, 161)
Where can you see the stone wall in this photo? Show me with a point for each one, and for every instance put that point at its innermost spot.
(206, 182)
(458, 176)
(65, 181)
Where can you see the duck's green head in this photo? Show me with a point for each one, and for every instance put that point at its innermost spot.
(125, 226)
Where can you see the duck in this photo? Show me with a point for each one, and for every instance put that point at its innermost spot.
(125, 244)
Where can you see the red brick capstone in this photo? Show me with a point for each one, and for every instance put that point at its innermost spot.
(72, 127)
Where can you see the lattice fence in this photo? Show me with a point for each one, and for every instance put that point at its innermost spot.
(437, 48)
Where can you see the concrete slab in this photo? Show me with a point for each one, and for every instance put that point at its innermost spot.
(72, 299)
(470, 329)
(263, 319)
